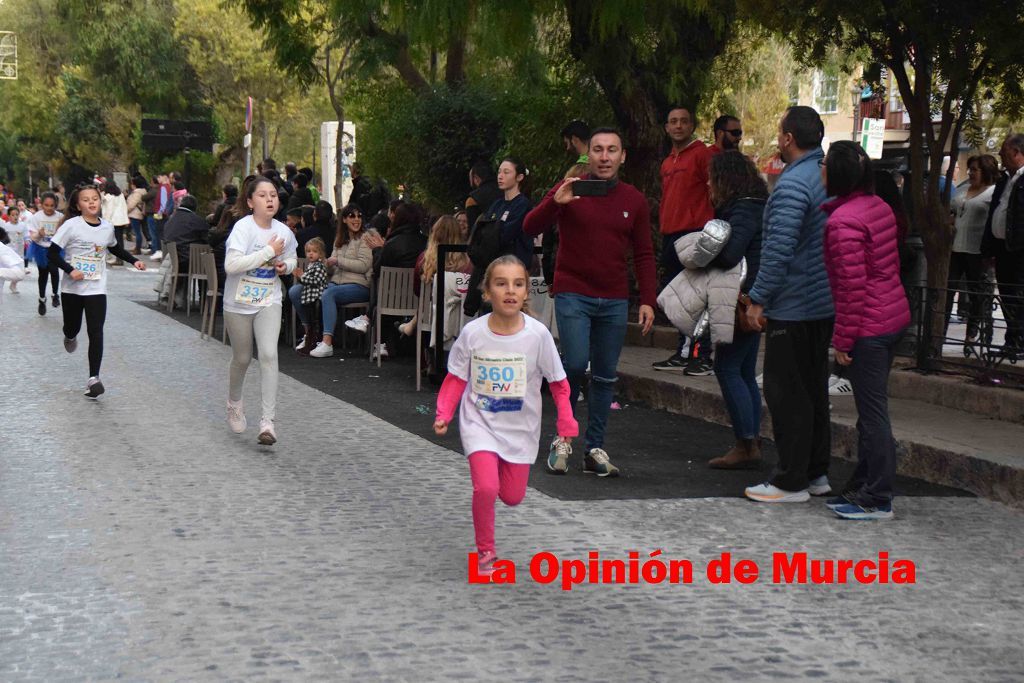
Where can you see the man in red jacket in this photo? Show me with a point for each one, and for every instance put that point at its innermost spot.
(592, 284)
(685, 208)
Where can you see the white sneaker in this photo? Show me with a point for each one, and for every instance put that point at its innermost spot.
(382, 349)
(767, 493)
(760, 381)
(819, 486)
(359, 324)
(839, 386)
(322, 350)
(302, 344)
(267, 437)
(157, 256)
(236, 417)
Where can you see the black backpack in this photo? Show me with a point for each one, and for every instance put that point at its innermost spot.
(484, 242)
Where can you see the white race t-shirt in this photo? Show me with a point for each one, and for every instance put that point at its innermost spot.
(260, 287)
(85, 248)
(501, 407)
(43, 227)
(9, 258)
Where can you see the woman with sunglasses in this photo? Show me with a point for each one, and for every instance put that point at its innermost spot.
(350, 266)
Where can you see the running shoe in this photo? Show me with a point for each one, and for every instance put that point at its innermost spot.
(56, 301)
(94, 387)
(322, 350)
(854, 511)
(267, 437)
(674, 362)
(839, 386)
(157, 256)
(382, 349)
(236, 416)
(596, 461)
(70, 345)
(838, 501)
(699, 367)
(485, 563)
(819, 486)
(42, 306)
(558, 456)
(768, 493)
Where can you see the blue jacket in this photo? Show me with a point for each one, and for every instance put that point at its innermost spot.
(792, 283)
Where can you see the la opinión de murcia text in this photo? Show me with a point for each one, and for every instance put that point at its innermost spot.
(654, 568)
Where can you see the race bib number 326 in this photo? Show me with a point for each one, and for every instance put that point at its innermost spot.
(91, 266)
(499, 380)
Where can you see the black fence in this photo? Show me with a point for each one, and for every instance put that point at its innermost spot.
(976, 331)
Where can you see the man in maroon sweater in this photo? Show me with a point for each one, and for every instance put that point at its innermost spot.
(592, 285)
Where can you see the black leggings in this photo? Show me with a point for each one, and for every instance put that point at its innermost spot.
(95, 308)
(51, 272)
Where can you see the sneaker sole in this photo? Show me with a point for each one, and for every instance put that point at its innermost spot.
(699, 374)
(266, 439)
(819, 492)
(553, 470)
(785, 498)
(680, 369)
(95, 391)
(860, 516)
(833, 506)
(602, 474)
(237, 431)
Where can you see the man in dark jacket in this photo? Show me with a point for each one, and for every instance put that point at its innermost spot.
(1004, 238)
(485, 191)
(185, 227)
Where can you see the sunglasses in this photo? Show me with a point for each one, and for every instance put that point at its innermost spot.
(354, 215)
(736, 132)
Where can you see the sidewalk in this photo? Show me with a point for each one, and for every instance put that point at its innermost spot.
(941, 444)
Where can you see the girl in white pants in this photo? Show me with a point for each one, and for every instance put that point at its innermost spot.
(258, 250)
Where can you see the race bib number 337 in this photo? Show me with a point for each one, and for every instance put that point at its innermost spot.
(499, 380)
(255, 291)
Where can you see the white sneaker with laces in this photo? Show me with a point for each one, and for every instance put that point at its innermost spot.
(359, 324)
(157, 256)
(302, 344)
(236, 416)
(767, 493)
(322, 351)
(267, 437)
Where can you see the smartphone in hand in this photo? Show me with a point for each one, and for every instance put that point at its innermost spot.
(590, 188)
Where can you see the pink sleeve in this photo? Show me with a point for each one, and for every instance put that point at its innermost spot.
(449, 396)
(566, 423)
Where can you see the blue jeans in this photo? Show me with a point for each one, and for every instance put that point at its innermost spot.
(591, 330)
(154, 233)
(340, 295)
(735, 369)
(136, 224)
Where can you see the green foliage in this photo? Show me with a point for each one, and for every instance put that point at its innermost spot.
(80, 117)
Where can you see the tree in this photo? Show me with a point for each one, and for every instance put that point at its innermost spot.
(647, 56)
(941, 53)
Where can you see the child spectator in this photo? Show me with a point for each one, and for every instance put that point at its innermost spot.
(313, 281)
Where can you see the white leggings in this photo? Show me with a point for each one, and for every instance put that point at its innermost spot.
(265, 326)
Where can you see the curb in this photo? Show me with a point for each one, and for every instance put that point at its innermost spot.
(982, 477)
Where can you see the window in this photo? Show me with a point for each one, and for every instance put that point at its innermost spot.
(826, 92)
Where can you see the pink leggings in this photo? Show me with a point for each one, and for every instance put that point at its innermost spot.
(493, 478)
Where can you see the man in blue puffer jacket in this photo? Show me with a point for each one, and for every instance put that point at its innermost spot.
(792, 290)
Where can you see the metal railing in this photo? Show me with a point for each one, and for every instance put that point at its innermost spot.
(976, 330)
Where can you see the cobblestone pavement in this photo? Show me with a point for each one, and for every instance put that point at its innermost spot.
(141, 540)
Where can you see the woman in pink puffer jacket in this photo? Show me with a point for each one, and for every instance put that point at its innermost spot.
(862, 260)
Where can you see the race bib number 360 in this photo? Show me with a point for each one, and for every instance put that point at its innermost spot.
(499, 381)
(90, 265)
(255, 291)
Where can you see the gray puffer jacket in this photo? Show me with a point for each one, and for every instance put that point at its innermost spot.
(701, 296)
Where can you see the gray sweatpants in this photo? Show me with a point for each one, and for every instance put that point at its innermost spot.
(264, 326)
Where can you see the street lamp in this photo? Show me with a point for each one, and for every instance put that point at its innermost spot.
(855, 93)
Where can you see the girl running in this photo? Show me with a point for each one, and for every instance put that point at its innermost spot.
(41, 227)
(257, 252)
(505, 355)
(15, 229)
(86, 239)
(11, 269)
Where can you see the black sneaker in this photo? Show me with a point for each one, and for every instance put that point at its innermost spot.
(699, 367)
(94, 388)
(42, 306)
(675, 362)
(56, 300)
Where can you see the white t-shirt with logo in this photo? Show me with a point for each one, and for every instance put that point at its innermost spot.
(501, 407)
(255, 289)
(43, 227)
(85, 248)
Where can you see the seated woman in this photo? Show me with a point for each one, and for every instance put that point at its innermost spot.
(349, 265)
(446, 230)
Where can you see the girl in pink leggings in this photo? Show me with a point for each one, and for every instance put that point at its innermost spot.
(502, 358)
